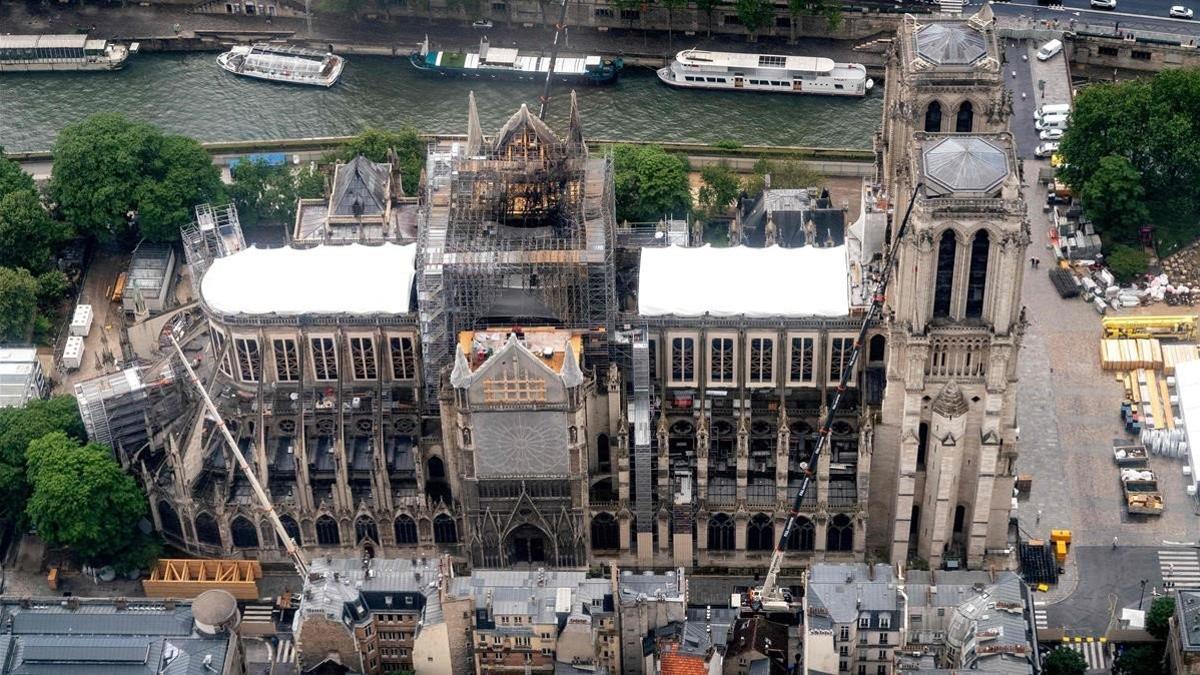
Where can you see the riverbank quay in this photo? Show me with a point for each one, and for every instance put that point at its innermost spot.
(174, 27)
(827, 161)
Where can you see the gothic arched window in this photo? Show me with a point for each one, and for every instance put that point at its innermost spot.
(243, 532)
(720, 533)
(977, 274)
(444, 530)
(840, 535)
(933, 117)
(406, 530)
(965, 118)
(207, 531)
(803, 536)
(606, 534)
(365, 528)
(292, 528)
(944, 277)
(327, 531)
(760, 533)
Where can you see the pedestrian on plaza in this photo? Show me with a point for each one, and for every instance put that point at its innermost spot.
(1114, 543)
(1039, 517)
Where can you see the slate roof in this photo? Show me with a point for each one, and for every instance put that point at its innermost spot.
(363, 182)
(950, 44)
(341, 588)
(145, 638)
(632, 585)
(1000, 611)
(536, 594)
(964, 164)
(847, 589)
(1187, 612)
(790, 210)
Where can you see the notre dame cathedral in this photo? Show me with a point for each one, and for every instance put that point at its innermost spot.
(526, 383)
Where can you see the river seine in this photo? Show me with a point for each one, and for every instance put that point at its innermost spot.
(187, 93)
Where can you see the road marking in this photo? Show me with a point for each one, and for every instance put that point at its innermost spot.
(1179, 568)
(1040, 619)
(1104, 12)
(1094, 653)
(285, 652)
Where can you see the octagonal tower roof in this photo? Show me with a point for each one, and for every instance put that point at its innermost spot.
(964, 164)
(950, 44)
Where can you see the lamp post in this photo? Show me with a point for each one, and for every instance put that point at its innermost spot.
(1142, 594)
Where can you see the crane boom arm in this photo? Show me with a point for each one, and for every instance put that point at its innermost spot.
(770, 588)
(264, 499)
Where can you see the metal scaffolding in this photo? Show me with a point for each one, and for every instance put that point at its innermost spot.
(216, 233)
(516, 231)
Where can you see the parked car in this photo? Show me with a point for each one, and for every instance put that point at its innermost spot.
(481, 23)
(1051, 122)
(1052, 109)
(1104, 4)
(1051, 134)
(1048, 50)
(1045, 150)
(1181, 12)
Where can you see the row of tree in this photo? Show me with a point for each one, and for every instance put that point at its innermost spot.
(1133, 155)
(73, 494)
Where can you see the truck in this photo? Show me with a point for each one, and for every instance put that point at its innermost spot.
(1141, 492)
(1127, 453)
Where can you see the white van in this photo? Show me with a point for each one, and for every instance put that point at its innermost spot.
(1051, 122)
(1052, 109)
(1048, 50)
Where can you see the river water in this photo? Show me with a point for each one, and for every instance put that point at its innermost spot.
(187, 93)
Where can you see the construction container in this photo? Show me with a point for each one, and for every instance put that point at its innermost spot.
(72, 356)
(81, 322)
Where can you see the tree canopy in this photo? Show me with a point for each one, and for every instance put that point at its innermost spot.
(263, 192)
(649, 183)
(82, 499)
(29, 238)
(18, 428)
(109, 166)
(1159, 617)
(1139, 660)
(1154, 126)
(18, 300)
(1115, 200)
(755, 14)
(830, 9)
(374, 144)
(720, 186)
(1064, 661)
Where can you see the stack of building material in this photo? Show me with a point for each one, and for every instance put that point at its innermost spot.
(73, 353)
(1122, 354)
(1174, 354)
(1147, 391)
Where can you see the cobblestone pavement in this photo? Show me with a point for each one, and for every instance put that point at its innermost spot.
(1068, 412)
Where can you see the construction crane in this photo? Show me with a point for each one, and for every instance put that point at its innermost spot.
(770, 597)
(298, 559)
(559, 29)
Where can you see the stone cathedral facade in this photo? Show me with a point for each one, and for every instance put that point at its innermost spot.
(538, 386)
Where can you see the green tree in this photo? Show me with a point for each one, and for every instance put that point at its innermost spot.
(649, 183)
(754, 15)
(18, 428)
(108, 167)
(1126, 262)
(374, 144)
(52, 289)
(671, 6)
(1159, 617)
(708, 7)
(28, 236)
(265, 192)
(830, 9)
(82, 499)
(1139, 660)
(1064, 661)
(12, 177)
(719, 187)
(18, 300)
(1114, 199)
(785, 175)
(625, 7)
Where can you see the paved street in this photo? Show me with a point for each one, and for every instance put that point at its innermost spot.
(1130, 15)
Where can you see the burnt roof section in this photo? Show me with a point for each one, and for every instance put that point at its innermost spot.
(950, 44)
(792, 210)
(964, 164)
(523, 120)
(360, 188)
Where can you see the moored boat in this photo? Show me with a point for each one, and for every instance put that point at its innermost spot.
(699, 69)
(508, 63)
(283, 63)
(23, 53)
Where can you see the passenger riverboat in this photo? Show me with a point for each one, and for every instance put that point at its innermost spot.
(283, 63)
(507, 63)
(23, 53)
(698, 69)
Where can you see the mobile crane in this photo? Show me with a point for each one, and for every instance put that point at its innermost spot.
(770, 597)
(289, 544)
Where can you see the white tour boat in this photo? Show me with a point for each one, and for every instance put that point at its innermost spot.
(282, 63)
(19, 53)
(700, 69)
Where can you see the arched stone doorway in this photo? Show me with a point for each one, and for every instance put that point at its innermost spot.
(528, 544)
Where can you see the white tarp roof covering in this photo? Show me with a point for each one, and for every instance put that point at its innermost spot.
(775, 281)
(351, 279)
(1187, 383)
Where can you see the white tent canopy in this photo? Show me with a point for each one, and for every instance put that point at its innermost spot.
(329, 279)
(757, 282)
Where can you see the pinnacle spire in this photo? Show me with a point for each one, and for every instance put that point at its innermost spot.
(575, 126)
(460, 377)
(571, 374)
(474, 130)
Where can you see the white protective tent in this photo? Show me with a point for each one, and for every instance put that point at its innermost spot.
(329, 279)
(756, 282)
